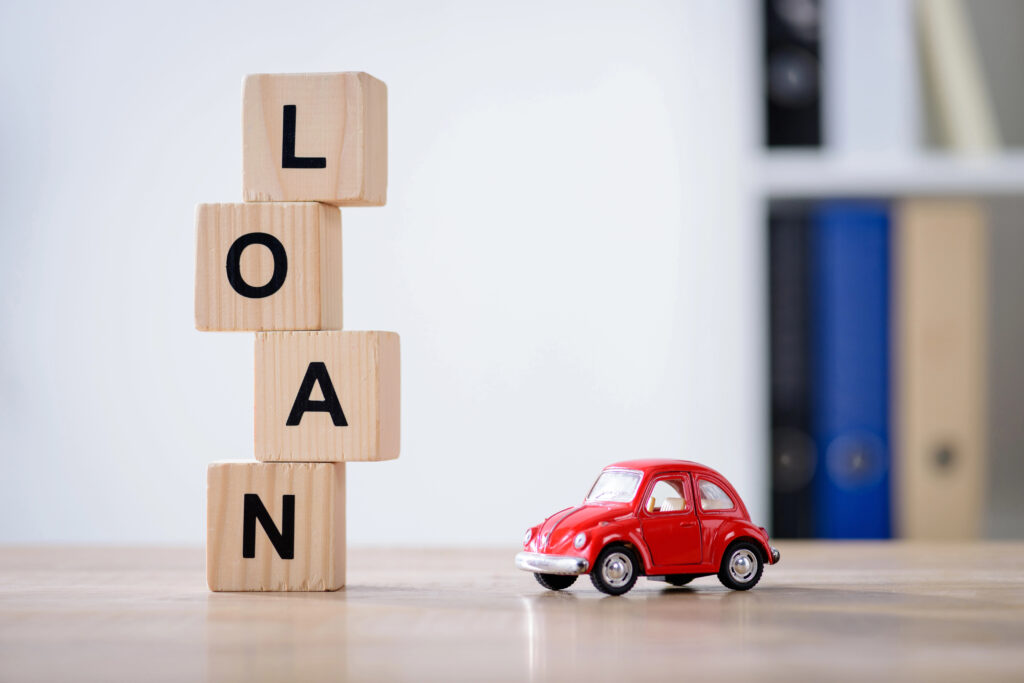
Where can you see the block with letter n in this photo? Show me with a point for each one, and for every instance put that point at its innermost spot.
(275, 526)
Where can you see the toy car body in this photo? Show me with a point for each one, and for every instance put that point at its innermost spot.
(671, 520)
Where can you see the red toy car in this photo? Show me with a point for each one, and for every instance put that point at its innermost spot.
(672, 520)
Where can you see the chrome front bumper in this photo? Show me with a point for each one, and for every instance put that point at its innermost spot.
(775, 555)
(540, 563)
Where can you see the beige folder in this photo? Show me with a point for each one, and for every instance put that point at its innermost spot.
(939, 367)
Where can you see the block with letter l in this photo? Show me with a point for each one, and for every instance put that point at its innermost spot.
(275, 526)
(328, 396)
(315, 137)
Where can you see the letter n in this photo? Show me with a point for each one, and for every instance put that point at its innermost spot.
(283, 540)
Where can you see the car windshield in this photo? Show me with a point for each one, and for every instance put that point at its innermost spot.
(614, 486)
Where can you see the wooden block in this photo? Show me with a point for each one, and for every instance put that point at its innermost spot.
(327, 396)
(275, 526)
(315, 137)
(270, 266)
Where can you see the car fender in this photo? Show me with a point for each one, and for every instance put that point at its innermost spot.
(733, 530)
(619, 533)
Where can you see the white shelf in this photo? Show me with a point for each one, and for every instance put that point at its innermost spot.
(810, 174)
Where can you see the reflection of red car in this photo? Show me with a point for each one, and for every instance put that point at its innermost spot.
(672, 520)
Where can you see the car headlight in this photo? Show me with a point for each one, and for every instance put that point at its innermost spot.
(528, 536)
(579, 541)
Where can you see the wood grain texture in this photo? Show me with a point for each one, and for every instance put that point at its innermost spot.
(940, 324)
(319, 552)
(364, 370)
(341, 117)
(310, 297)
(828, 612)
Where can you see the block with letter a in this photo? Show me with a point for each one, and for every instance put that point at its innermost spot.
(327, 396)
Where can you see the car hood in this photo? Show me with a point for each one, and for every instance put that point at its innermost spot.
(560, 527)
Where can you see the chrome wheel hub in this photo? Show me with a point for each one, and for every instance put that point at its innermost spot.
(617, 569)
(742, 565)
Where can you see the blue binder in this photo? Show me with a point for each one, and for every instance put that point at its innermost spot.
(850, 376)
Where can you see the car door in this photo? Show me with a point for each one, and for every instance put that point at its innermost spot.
(668, 521)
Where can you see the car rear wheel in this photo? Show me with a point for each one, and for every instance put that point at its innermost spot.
(679, 579)
(555, 582)
(741, 566)
(615, 571)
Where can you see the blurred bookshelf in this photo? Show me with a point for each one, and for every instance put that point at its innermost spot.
(891, 181)
(808, 174)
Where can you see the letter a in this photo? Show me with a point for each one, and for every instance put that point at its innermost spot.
(316, 373)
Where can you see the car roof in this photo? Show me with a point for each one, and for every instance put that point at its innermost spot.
(652, 467)
(656, 465)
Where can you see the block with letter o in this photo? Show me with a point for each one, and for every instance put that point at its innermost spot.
(270, 266)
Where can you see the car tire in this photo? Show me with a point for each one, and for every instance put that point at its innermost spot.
(679, 579)
(742, 566)
(616, 570)
(555, 582)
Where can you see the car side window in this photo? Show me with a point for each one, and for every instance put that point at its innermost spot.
(712, 497)
(668, 495)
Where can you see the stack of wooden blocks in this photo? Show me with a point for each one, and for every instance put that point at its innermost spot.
(272, 265)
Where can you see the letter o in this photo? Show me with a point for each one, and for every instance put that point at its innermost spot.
(234, 265)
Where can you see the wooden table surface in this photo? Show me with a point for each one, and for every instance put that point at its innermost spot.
(856, 611)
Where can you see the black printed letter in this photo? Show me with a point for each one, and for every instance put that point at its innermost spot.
(316, 373)
(234, 265)
(283, 541)
(288, 158)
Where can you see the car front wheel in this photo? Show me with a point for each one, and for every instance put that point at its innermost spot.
(741, 566)
(615, 571)
(555, 582)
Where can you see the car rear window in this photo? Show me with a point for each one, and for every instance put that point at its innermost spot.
(712, 497)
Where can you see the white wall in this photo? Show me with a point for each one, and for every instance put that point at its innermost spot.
(568, 253)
